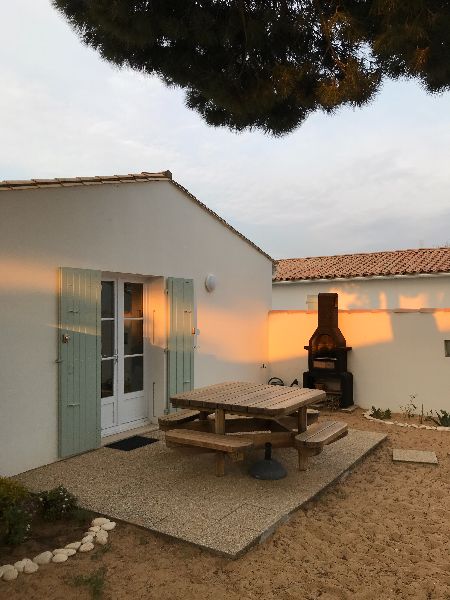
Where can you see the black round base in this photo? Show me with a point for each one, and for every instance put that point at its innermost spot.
(268, 469)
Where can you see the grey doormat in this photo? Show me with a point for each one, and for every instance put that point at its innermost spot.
(131, 443)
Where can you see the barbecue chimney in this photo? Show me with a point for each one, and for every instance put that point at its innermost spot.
(327, 355)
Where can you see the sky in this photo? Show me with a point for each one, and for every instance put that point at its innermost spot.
(360, 180)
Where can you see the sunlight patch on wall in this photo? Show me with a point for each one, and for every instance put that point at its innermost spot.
(231, 335)
(417, 301)
(382, 301)
(288, 333)
(442, 320)
(366, 329)
(26, 276)
(350, 297)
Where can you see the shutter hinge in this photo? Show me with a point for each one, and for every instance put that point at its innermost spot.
(59, 360)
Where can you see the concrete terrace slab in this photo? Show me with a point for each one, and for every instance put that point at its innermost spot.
(178, 495)
(414, 456)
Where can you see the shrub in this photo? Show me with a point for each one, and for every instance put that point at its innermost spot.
(57, 503)
(11, 493)
(379, 413)
(409, 410)
(442, 418)
(17, 524)
(95, 582)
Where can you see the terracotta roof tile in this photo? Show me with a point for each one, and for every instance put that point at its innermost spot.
(346, 266)
(30, 184)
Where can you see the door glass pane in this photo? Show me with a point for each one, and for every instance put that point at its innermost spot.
(132, 300)
(107, 338)
(107, 378)
(107, 299)
(133, 375)
(133, 337)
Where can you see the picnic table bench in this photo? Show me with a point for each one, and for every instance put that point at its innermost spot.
(312, 441)
(234, 446)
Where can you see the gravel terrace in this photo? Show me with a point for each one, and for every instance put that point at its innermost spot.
(382, 533)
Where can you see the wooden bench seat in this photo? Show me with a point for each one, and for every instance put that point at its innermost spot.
(291, 422)
(231, 445)
(312, 441)
(171, 421)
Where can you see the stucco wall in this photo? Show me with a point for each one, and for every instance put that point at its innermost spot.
(141, 228)
(390, 293)
(394, 354)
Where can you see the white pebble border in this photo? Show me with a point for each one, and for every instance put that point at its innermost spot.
(399, 424)
(98, 533)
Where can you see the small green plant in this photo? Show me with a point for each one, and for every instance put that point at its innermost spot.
(11, 494)
(442, 418)
(57, 504)
(409, 410)
(95, 582)
(379, 413)
(16, 524)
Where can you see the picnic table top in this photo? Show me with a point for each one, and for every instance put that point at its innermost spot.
(241, 397)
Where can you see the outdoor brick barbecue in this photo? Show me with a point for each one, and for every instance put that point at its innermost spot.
(327, 355)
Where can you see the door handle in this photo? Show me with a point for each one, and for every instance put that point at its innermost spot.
(116, 358)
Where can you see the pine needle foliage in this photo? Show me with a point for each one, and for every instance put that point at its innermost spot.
(268, 64)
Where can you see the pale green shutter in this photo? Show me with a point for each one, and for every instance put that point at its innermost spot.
(181, 339)
(79, 360)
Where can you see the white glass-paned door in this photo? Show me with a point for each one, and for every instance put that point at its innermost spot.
(109, 354)
(123, 399)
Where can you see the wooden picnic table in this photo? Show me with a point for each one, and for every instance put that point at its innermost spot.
(249, 400)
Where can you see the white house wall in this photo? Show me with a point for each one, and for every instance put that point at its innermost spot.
(395, 355)
(377, 293)
(150, 229)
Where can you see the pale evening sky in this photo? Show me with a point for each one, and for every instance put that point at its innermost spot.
(360, 180)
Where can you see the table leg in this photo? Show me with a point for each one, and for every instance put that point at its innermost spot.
(220, 428)
(302, 461)
(302, 419)
(302, 425)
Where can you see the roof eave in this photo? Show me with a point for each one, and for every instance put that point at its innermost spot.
(361, 278)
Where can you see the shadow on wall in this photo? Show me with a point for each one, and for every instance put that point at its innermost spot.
(413, 293)
(394, 354)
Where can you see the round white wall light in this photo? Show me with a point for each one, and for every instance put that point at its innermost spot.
(210, 282)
